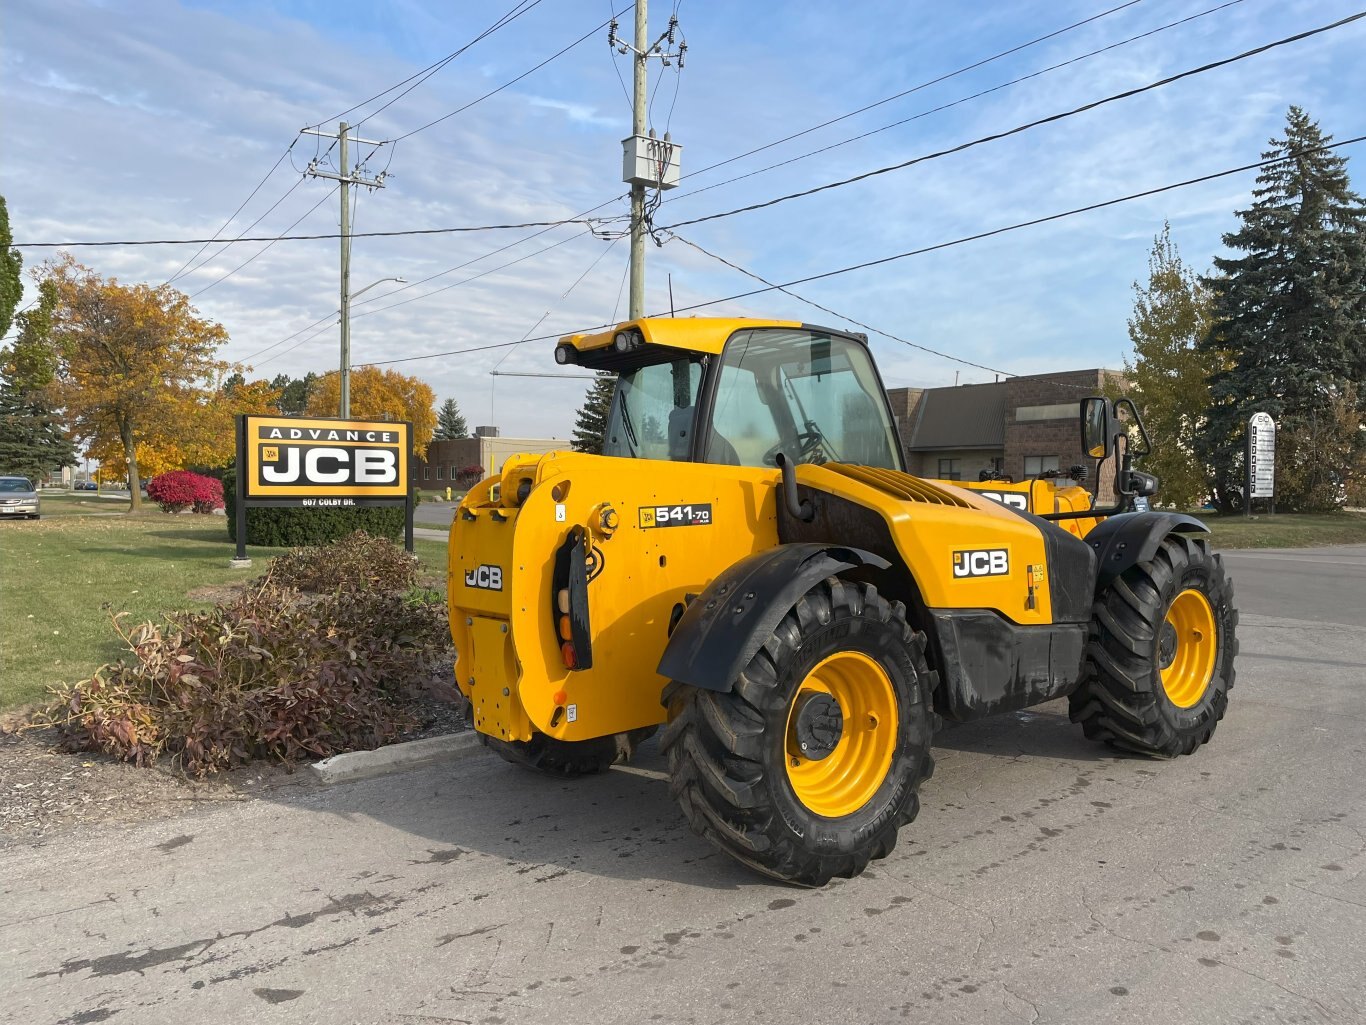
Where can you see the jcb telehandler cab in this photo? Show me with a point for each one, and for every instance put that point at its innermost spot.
(748, 564)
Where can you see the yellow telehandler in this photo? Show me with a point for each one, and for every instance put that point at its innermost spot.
(748, 565)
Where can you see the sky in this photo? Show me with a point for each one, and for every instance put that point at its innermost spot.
(149, 120)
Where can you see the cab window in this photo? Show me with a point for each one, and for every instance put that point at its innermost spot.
(653, 411)
(811, 395)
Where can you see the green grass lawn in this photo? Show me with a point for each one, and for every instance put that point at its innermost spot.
(58, 572)
(1286, 530)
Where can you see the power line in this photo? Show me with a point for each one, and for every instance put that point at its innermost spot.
(229, 242)
(306, 238)
(947, 106)
(404, 302)
(925, 249)
(260, 252)
(285, 352)
(493, 92)
(915, 88)
(280, 160)
(1030, 223)
(429, 70)
(472, 277)
(517, 11)
(296, 334)
(1024, 127)
(835, 313)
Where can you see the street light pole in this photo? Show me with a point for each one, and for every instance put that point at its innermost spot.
(346, 337)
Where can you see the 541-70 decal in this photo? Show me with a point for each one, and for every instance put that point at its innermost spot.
(694, 514)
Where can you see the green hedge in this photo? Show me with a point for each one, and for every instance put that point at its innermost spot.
(289, 528)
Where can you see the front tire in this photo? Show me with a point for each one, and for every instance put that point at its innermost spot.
(806, 767)
(1160, 653)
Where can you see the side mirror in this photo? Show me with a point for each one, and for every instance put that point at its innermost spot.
(1095, 427)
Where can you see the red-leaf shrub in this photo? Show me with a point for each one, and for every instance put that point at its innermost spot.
(468, 476)
(180, 490)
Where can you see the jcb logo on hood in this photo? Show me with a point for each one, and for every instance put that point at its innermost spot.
(489, 578)
(984, 562)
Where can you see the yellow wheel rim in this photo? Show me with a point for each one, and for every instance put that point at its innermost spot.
(1188, 645)
(847, 778)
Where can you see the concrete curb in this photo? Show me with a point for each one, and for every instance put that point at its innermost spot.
(357, 765)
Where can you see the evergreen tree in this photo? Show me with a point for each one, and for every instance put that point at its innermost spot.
(450, 423)
(1290, 312)
(11, 264)
(590, 425)
(294, 392)
(1168, 375)
(29, 363)
(32, 442)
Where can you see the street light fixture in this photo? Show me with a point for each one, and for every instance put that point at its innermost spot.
(346, 342)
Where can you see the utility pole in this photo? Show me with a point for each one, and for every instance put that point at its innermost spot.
(640, 86)
(348, 177)
(648, 162)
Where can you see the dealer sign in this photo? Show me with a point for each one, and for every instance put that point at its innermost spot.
(288, 457)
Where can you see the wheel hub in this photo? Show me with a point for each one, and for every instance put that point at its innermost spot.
(818, 725)
(1166, 645)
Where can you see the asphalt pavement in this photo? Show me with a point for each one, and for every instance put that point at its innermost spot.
(1045, 881)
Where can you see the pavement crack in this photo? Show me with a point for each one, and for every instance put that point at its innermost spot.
(1033, 1007)
(1328, 896)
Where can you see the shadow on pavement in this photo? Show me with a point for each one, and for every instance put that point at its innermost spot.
(622, 824)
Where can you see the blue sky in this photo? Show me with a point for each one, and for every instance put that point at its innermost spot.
(140, 120)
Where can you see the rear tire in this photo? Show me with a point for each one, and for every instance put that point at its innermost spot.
(566, 759)
(734, 763)
(1158, 677)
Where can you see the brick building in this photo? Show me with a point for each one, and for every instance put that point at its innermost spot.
(1021, 426)
(487, 449)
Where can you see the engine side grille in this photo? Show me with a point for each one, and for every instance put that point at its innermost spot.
(900, 485)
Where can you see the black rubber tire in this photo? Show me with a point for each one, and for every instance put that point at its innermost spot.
(566, 759)
(1121, 700)
(727, 749)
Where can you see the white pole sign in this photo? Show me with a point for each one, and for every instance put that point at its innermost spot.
(1261, 430)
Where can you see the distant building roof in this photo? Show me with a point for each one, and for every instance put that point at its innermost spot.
(968, 416)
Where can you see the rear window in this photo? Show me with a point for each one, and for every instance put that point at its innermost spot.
(15, 484)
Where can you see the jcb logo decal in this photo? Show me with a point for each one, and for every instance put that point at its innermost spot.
(1014, 500)
(489, 578)
(983, 562)
(297, 464)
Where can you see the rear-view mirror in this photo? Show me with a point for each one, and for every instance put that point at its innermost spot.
(1095, 426)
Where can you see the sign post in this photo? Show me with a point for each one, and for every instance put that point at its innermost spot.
(1261, 461)
(320, 463)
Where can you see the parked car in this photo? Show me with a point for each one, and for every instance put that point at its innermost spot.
(87, 485)
(18, 497)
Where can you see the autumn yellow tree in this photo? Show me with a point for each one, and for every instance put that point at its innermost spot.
(133, 362)
(380, 395)
(198, 430)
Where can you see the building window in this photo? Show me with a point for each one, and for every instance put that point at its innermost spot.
(441, 472)
(426, 473)
(1036, 466)
(951, 469)
(1053, 411)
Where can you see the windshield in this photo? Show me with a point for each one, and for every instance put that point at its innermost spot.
(809, 394)
(652, 411)
(15, 484)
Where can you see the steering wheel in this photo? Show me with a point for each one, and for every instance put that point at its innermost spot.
(808, 444)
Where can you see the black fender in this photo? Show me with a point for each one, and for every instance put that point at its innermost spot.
(726, 624)
(1123, 541)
